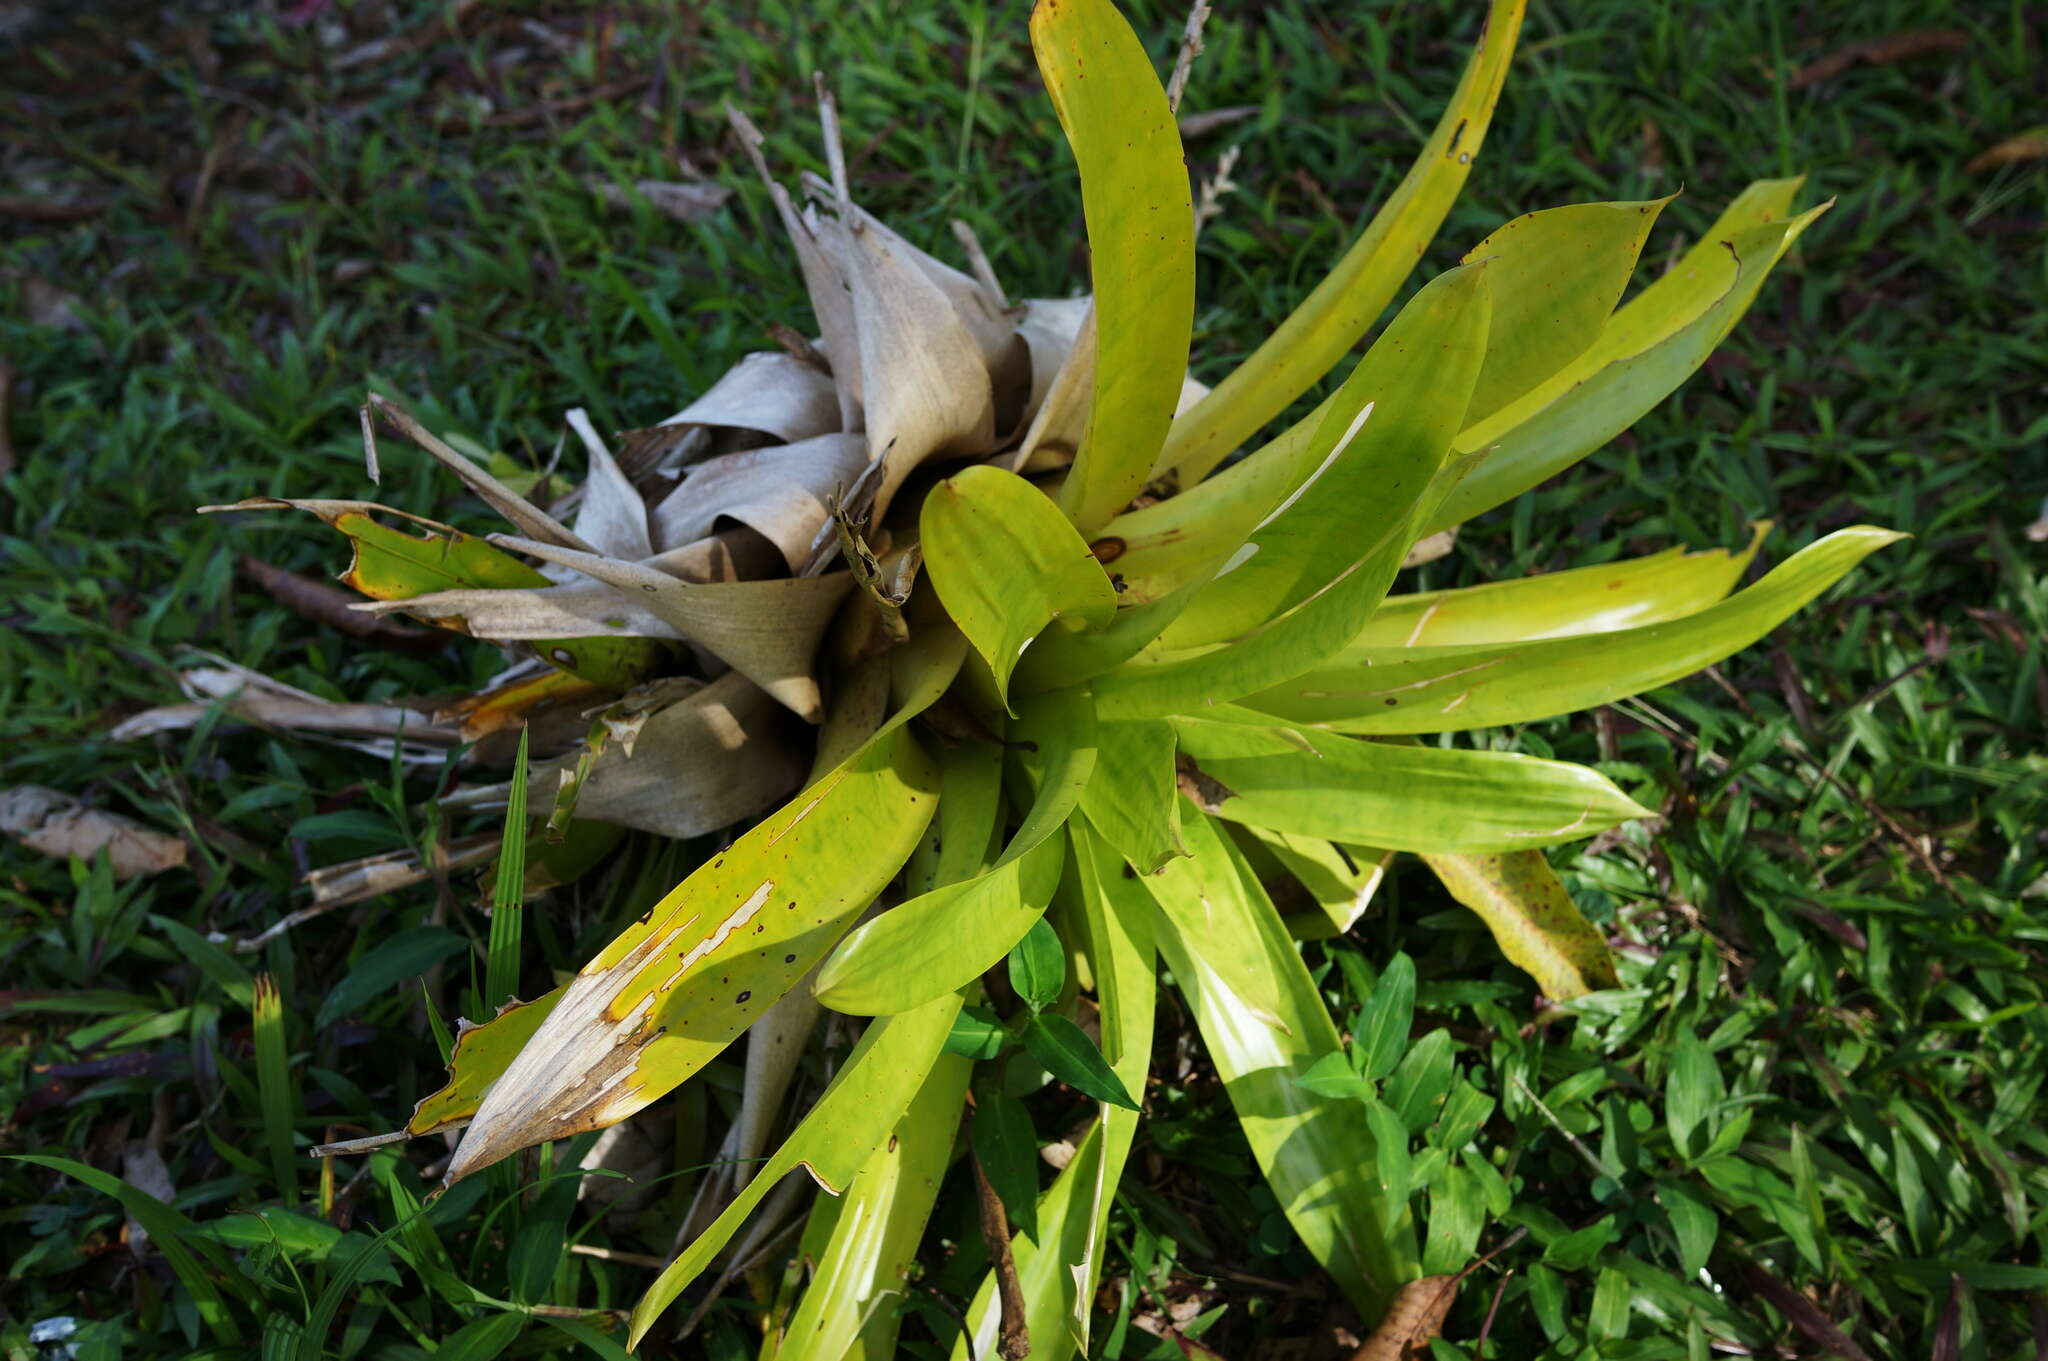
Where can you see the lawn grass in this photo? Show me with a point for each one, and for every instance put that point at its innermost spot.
(1816, 1101)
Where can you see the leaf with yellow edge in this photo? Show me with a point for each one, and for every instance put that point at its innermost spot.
(670, 993)
(1006, 563)
(1453, 689)
(1141, 244)
(1345, 304)
(892, 1061)
(1533, 919)
(482, 1053)
(389, 564)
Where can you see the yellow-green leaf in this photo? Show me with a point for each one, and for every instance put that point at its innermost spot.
(670, 993)
(1432, 356)
(1613, 595)
(1131, 800)
(846, 1313)
(1533, 919)
(1556, 275)
(1006, 563)
(1141, 244)
(867, 1096)
(1647, 349)
(1263, 1026)
(1058, 1271)
(1451, 689)
(1403, 797)
(943, 939)
(1346, 303)
(1382, 439)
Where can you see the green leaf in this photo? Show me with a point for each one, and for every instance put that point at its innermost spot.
(880, 1222)
(1059, 1271)
(405, 955)
(1406, 798)
(1457, 1213)
(866, 1097)
(1327, 323)
(1693, 1223)
(1433, 352)
(673, 990)
(537, 1249)
(1038, 966)
(1141, 244)
(1131, 799)
(1420, 1083)
(1381, 440)
(508, 891)
(197, 1264)
(1068, 1054)
(1333, 1076)
(1613, 595)
(1383, 1024)
(1007, 1147)
(978, 1033)
(1452, 689)
(1556, 275)
(217, 964)
(276, 1095)
(482, 1340)
(1265, 1026)
(1651, 345)
(1691, 1091)
(940, 940)
(1006, 563)
(1533, 919)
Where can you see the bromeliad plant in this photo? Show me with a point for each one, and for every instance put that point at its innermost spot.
(1077, 681)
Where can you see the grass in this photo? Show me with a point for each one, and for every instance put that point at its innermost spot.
(1817, 1101)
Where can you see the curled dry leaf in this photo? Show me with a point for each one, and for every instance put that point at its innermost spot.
(56, 824)
(779, 492)
(769, 391)
(718, 756)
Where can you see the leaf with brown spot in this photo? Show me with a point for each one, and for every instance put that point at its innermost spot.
(1533, 919)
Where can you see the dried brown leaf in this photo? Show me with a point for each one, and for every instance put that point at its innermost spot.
(680, 200)
(1893, 47)
(717, 757)
(332, 607)
(1416, 1315)
(771, 391)
(2030, 145)
(767, 630)
(56, 824)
